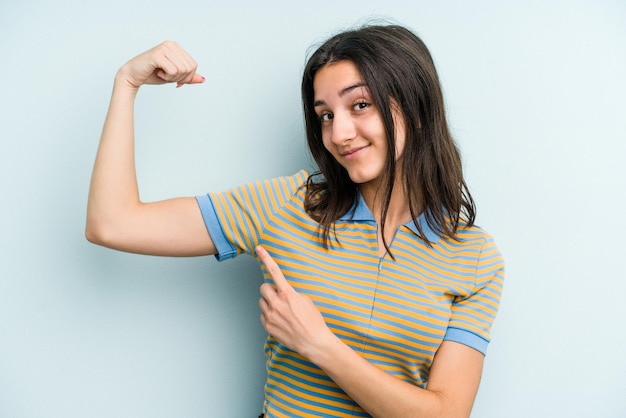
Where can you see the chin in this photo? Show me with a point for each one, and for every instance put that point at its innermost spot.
(364, 172)
(362, 178)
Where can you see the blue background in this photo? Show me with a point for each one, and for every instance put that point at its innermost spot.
(535, 92)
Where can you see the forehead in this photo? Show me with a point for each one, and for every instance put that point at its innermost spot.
(334, 78)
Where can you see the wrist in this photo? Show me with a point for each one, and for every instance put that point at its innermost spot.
(122, 82)
(323, 349)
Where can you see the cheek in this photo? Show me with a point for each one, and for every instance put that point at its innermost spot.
(326, 140)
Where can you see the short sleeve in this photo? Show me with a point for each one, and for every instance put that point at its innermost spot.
(473, 315)
(236, 218)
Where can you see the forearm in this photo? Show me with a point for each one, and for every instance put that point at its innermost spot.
(113, 188)
(376, 391)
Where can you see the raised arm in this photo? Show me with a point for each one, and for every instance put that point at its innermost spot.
(116, 218)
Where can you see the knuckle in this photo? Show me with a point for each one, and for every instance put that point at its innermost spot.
(169, 43)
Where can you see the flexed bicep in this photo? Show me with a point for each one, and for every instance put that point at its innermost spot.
(116, 217)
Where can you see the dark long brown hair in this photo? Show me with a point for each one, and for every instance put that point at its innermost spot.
(398, 70)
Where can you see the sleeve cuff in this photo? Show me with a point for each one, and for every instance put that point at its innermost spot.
(467, 338)
(225, 249)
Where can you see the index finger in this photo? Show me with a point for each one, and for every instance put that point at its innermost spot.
(273, 269)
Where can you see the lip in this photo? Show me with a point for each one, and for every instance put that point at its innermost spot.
(353, 152)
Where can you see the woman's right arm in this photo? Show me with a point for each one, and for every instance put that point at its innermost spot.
(116, 217)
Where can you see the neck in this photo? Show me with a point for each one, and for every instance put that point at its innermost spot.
(398, 211)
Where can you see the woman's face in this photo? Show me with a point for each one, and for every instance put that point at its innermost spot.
(352, 127)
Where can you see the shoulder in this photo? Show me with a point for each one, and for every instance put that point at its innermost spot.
(290, 184)
(474, 243)
(488, 259)
(474, 234)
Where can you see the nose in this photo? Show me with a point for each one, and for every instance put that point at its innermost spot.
(344, 128)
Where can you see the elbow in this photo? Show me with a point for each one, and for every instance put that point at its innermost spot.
(94, 224)
(111, 229)
(97, 232)
(92, 233)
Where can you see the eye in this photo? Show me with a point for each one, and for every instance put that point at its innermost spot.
(361, 105)
(325, 117)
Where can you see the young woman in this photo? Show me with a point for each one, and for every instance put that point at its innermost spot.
(380, 292)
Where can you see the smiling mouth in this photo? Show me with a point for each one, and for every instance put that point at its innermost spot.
(353, 152)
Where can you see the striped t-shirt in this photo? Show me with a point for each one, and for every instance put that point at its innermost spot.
(395, 313)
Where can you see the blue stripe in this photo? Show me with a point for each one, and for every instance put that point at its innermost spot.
(394, 312)
(245, 228)
(224, 249)
(467, 338)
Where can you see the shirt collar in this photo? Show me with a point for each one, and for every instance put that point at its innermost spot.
(360, 212)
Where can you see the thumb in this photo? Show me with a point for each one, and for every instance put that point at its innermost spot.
(197, 79)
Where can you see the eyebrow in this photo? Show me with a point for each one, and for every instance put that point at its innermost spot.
(342, 93)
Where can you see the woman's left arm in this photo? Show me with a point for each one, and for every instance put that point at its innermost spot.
(293, 319)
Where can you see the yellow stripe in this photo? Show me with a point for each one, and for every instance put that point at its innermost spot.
(385, 314)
